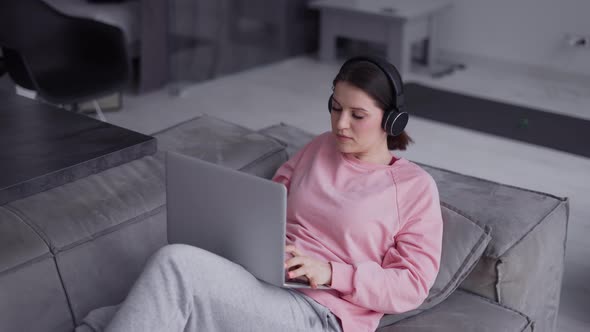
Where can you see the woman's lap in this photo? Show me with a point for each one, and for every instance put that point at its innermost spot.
(184, 286)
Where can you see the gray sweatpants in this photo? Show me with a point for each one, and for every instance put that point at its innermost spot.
(184, 288)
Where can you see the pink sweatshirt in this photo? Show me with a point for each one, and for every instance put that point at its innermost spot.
(380, 227)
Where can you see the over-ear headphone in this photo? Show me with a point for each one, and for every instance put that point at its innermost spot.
(394, 118)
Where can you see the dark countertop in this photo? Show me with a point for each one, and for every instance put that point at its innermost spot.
(42, 146)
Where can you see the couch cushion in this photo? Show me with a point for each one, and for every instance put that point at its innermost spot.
(464, 312)
(101, 271)
(463, 244)
(28, 302)
(33, 299)
(224, 143)
(292, 137)
(87, 208)
(18, 242)
(510, 212)
(74, 217)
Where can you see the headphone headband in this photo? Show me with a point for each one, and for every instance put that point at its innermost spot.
(393, 76)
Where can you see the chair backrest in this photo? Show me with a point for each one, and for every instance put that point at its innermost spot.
(35, 19)
(15, 65)
(65, 59)
(24, 25)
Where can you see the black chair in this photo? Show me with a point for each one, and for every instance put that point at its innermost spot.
(66, 60)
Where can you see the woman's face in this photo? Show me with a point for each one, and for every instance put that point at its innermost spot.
(356, 123)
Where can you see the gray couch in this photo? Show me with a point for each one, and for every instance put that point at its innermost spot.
(68, 250)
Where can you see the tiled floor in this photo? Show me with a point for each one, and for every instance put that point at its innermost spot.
(296, 91)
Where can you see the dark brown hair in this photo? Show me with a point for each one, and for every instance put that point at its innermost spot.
(369, 78)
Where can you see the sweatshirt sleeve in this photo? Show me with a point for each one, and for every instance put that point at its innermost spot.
(409, 268)
(285, 172)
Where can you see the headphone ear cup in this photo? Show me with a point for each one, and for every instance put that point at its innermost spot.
(330, 104)
(394, 122)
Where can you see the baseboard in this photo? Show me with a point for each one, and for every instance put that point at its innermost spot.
(541, 72)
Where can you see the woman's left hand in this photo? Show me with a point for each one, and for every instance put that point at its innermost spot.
(317, 272)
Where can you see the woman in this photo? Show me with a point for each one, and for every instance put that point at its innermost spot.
(359, 220)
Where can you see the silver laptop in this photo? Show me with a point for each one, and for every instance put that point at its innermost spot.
(235, 215)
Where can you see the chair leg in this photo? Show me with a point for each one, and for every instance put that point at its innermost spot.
(23, 92)
(99, 111)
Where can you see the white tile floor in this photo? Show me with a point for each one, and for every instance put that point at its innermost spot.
(296, 92)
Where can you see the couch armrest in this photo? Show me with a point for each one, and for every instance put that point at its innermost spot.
(465, 312)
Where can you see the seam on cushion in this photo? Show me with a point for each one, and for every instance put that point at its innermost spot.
(115, 228)
(528, 319)
(484, 226)
(33, 227)
(67, 296)
(484, 238)
(176, 125)
(517, 242)
(500, 254)
(262, 157)
(457, 276)
(38, 260)
(498, 183)
(54, 250)
(464, 215)
(31, 261)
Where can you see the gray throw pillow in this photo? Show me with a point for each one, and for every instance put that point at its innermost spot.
(463, 244)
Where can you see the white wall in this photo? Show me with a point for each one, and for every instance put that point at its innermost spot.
(519, 31)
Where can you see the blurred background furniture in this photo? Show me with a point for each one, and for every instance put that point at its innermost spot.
(397, 24)
(180, 42)
(145, 26)
(212, 38)
(269, 31)
(65, 60)
(236, 35)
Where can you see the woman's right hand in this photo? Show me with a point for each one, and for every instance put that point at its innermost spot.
(301, 266)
